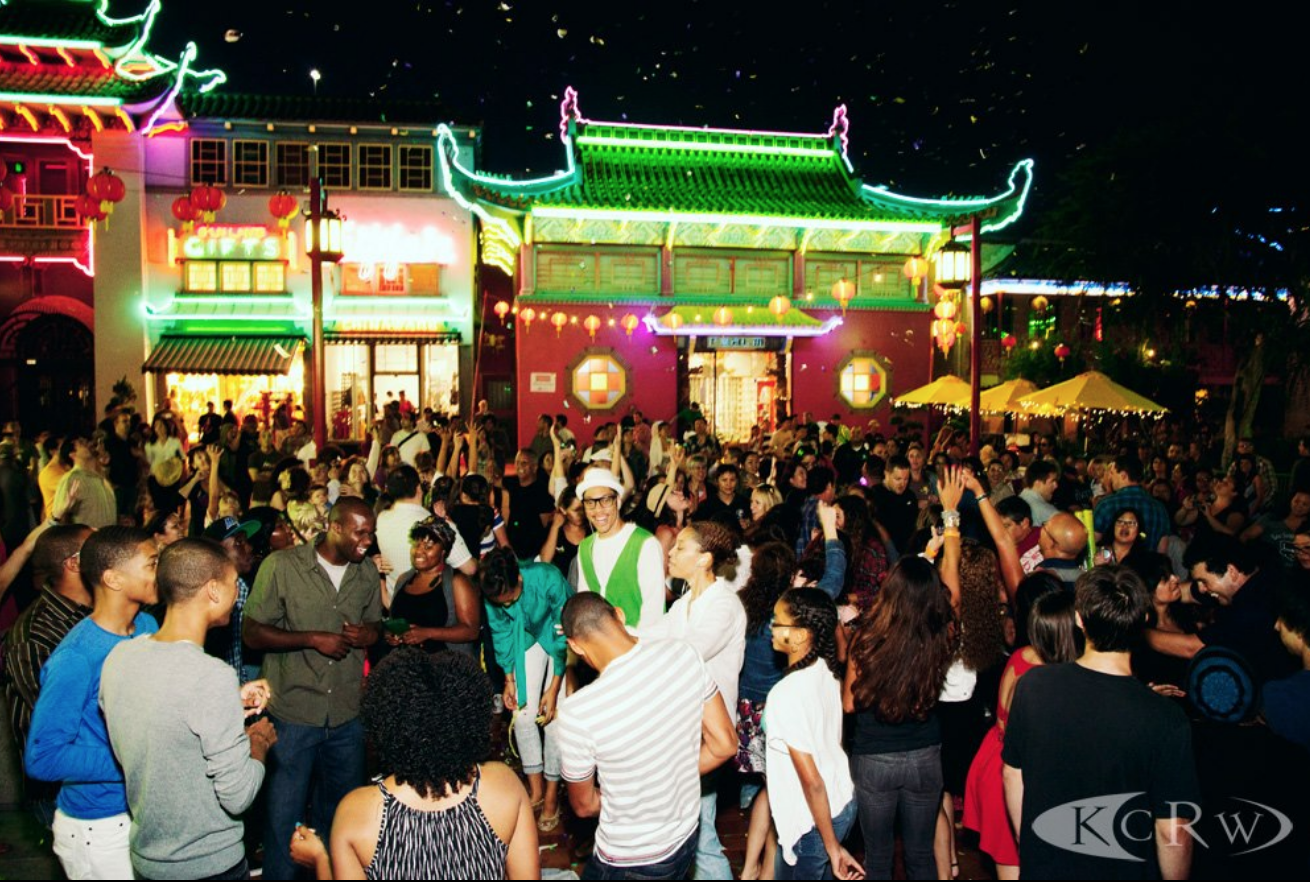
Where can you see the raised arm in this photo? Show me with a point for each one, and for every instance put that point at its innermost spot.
(1006, 551)
(951, 491)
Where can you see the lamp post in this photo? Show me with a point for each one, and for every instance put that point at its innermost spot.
(322, 243)
(959, 266)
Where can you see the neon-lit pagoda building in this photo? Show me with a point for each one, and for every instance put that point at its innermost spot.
(749, 271)
(215, 307)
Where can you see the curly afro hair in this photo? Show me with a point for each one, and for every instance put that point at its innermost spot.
(429, 719)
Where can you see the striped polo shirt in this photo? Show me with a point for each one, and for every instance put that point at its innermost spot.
(638, 726)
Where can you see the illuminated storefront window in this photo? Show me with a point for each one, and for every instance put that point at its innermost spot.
(364, 374)
(862, 380)
(598, 380)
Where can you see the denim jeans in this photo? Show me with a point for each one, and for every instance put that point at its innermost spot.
(907, 785)
(811, 857)
(329, 759)
(672, 867)
(710, 861)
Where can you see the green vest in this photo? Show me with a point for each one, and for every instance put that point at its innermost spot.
(623, 590)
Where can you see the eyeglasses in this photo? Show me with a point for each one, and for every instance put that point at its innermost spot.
(606, 501)
(785, 627)
(1125, 523)
(1301, 549)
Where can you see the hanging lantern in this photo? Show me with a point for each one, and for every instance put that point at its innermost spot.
(592, 324)
(960, 329)
(915, 269)
(1009, 342)
(88, 208)
(843, 291)
(284, 207)
(501, 309)
(185, 212)
(674, 321)
(6, 199)
(1062, 352)
(559, 320)
(15, 183)
(106, 188)
(723, 316)
(208, 201)
(986, 305)
(952, 265)
(630, 323)
(945, 309)
(779, 306)
(1040, 303)
(527, 316)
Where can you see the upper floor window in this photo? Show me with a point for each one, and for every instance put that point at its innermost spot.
(209, 161)
(292, 164)
(415, 167)
(250, 163)
(375, 166)
(334, 165)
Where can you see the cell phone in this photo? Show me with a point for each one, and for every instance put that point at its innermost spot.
(938, 529)
(397, 625)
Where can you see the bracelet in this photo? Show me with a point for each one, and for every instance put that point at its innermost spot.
(951, 531)
(951, 519)
(927, 555)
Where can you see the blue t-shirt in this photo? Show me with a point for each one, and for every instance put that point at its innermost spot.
(68, 741)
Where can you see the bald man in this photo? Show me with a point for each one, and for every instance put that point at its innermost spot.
(1063, 542)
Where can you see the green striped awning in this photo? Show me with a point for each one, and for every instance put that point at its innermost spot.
(192, 354)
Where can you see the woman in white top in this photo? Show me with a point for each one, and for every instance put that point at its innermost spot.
(711, 618)
(165, 443)
(811, 793)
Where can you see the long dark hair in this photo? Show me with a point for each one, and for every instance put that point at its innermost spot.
(772, 567)
(905, 644)
(814, 611)
(982, 634)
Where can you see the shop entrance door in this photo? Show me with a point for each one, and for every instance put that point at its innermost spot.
(737, 389)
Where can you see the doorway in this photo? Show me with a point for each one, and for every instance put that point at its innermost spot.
(737, 389)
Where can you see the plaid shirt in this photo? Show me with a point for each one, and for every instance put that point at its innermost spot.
(28, 646)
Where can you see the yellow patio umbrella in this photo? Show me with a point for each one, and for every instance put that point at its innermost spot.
(945, 391)
(1004, 398)
(1091, 391)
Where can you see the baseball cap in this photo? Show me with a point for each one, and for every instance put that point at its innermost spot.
(227, 527)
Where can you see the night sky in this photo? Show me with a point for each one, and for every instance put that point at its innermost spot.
(943, 97)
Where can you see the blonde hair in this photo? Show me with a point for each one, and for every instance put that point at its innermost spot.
(768, 496)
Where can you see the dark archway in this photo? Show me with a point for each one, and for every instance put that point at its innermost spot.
(50, 362)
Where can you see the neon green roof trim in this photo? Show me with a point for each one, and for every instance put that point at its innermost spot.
(90, 100)
(624, 172)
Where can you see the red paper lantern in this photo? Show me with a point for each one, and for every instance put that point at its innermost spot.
(1062, 352)
(559, 320)
(106, 188)
(630, 323)
(283, 206)
(185, 212)
(674, 321)
(915, 269)
(844, 291)
(88, 208)
(1009, 342)
(15, 183)
(723, 316)
(208, 201)
(527, 316)
(592, 324)
(779, 306)
(501, 309)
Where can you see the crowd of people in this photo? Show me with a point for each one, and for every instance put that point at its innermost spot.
(226, 634)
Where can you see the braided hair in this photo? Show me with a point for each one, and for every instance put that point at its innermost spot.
(815, 611)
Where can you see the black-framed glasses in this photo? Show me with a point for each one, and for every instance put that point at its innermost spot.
(606, 501)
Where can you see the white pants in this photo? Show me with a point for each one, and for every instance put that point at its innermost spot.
(93, 849)
(538, 669)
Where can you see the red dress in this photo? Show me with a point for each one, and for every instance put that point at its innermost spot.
(984, 792)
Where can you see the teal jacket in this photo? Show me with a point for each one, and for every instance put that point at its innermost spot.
(531, 619)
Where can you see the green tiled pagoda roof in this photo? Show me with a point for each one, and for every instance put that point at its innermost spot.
(627, 168)
(72, 21)
(72, 83)
(305, 108)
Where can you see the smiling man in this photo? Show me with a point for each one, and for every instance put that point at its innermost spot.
(620, 561)
(314, 609)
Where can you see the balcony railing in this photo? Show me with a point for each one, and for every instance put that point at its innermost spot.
(43, 213)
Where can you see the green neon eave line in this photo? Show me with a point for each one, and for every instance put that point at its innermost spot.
(602, 141)
(45, 43)
(618, 214)
(91, 100)
(1022, 169)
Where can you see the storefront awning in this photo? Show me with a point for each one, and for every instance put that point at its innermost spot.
(699, 321)
(190, 354)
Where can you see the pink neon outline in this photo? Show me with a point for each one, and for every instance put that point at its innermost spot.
(88, 271)
(660, 330)
(841, 125)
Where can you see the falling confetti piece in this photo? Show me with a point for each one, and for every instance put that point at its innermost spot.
(232, 35)
(562, 33)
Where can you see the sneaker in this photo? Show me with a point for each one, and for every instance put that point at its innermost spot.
(497, 705)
